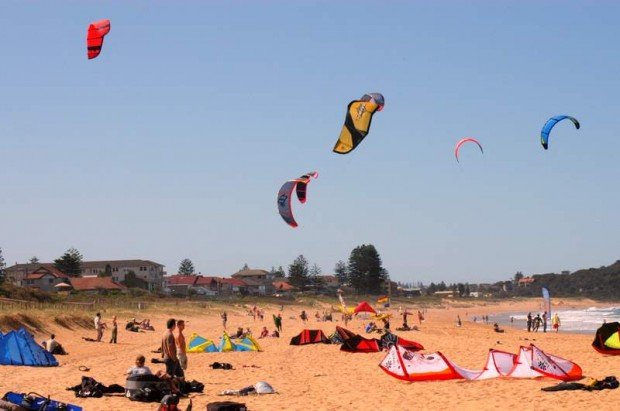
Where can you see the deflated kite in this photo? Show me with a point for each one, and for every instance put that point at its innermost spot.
(544, 134)
(286, 192)
(463, 141)
(357, 122)
(96, 33)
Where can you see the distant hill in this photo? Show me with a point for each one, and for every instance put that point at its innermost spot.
(601, 283)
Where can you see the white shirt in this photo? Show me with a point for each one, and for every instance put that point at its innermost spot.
(139, 371)
(97, 321)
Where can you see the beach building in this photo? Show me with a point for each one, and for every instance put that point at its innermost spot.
(257, 281)
(149, 271)
(45, 278)
(95, 285)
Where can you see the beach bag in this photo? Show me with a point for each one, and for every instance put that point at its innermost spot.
(226, 406)
(90, 388)
(170, 402)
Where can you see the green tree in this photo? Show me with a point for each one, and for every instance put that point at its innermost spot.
(34, 260)
(340, 271)
(298, 272)
(366, 274)
(461, 289)
(279, 273)
(245, 267)
(70, 263)
(107, 272)
(2, 266)
(132, 281)
(186, 267)
(314, 276)
(518, 276)
(467, 290)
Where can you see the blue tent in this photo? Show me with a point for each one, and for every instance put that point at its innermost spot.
(19, 348)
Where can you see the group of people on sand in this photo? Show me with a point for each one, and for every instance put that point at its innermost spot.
(265, 333)
(133, 325)
(173, 352)
(534, 323)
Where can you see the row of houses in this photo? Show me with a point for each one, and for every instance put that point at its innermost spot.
(46, 277)
(30, 275)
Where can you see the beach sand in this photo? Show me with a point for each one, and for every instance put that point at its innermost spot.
(321, 377)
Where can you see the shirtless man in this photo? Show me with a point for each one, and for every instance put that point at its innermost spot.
(169, 351)
(180, 343)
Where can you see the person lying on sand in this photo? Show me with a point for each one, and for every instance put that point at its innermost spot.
(497, 329)
(132, 326)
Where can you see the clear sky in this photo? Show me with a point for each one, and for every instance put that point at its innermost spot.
(174, 142)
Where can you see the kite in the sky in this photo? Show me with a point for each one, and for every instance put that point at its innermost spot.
(544, 134)
(286, 193)
(463, 141)
(357, 122)
(94, 39)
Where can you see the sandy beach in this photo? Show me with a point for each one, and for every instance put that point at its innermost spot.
(320, 376)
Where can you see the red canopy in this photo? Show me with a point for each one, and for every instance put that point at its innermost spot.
(364, 307)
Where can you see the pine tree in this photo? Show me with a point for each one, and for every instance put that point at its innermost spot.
(340, 270)
(34, 260)
(298, 272)
(366, 274)
(186, 267)
(70, 263)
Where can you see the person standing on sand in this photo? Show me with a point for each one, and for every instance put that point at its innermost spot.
(529, 322)
(277, 320)
(114, 330)
(99, 326)
(180, 343)
(224, 318)
(169, 351)
(555, 322)
(544, 320)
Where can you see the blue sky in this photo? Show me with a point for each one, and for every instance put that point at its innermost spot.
(174, 142)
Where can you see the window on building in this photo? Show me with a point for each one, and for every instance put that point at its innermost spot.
(50, 280)
(142, 268)
(115, 269)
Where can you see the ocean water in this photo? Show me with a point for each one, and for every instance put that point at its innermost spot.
(579, 321)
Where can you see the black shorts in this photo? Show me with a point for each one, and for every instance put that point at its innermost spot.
(173, 368)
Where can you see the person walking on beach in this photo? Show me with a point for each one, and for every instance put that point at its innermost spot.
(303, 316)
(458, 321)
(114, 330)
(544, 320)
(529, 322)
(180, 343)
(277, 321)
(169, 351)
(537, 322)
(99, 326)
(555, 322)
(224, 318)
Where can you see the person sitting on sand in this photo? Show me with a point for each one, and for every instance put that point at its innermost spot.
(139, 368)
(303, 316)
(146, 325)
(264, 333)
(497, 329)
(239, 333)
(54, 346)
(275, 334)
(371, 327)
